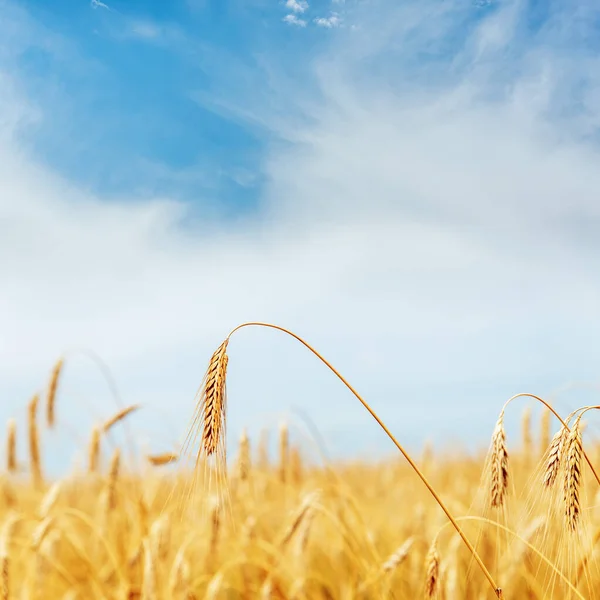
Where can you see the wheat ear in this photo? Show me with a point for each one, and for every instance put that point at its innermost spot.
(432, 567)
(51, 397)
(157, 460)
(572, 483)
(498, 465)
(244, 456)
(210, 415)
(117, 417)
(284, 452)
(94, 451)
(398, 557)
(555, 456)
(11, 446)
(5, 540)
(34, 442)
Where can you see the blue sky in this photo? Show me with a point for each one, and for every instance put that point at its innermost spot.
(410, 185)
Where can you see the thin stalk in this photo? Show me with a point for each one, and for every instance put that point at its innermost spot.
(556, 570)
(476, 557)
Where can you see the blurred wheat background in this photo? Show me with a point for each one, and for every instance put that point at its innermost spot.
(284, 527)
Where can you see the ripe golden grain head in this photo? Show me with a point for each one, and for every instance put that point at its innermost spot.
(432, 569)
(399, 556)
(51, 396)
(94, 451)
(34, 442)
(498, 465)
(11, 446)
(555, 457)
(573, 476)
(158, 460)
(210, 414)
(118, 417)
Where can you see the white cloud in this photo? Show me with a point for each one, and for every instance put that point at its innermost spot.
(297, 6)
(432, 231)
(145, 30)
(98, 4)
(294, 20)
(333, 20)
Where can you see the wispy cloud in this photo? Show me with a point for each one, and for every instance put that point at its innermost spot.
(294, 20)
(98, 4)
(297, 6)
(333, 20)
(430, 224)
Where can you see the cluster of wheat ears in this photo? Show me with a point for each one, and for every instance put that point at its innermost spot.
(438, 526)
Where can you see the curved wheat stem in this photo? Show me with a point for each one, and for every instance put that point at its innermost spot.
(209, 418)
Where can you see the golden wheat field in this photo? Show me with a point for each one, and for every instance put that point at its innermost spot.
(519, 520)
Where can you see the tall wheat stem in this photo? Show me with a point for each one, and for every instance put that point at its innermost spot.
(476, 557)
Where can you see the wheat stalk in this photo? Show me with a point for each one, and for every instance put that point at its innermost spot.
(545, 430)
(210, 416)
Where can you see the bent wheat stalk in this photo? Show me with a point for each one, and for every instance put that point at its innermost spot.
(209, 423)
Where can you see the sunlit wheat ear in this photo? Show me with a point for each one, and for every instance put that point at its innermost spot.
(118, 417)
(149, 591)
(158, 460)
(572, 483)
(51, 397)
(50, 500)
(306, 506)
(398, 557)
(5, 541)
(432, 567)
(113, 478)
(244, 456)
(498, 465)
(94, 451)
(11, 446)
(210, 415)
(34, 442)
(555, 457)
(284, 452)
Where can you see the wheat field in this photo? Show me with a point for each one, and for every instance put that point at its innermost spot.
(518, 520)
